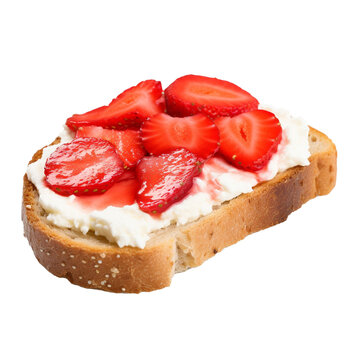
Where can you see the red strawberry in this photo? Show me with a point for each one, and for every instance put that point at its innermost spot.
(248, 140)
(127, 142)
(120, 194)
(85, 166)
(193, 94)
(130, 108)
(128, 175)
(165, 179)
(163, 133)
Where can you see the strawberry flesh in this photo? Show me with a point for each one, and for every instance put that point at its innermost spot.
(248, 140)
(165, 179)
(193, 94)
(163, 133)
(120, 194)
(127, 142)
(85, 166)
(129, 109)
(128, 175)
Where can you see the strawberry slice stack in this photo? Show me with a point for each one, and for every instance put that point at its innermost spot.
(163, 139)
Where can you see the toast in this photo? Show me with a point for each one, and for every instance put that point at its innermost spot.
(91, 261)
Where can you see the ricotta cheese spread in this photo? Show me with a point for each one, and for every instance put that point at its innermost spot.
(219, 182)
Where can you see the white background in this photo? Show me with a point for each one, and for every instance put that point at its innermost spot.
(289, 292)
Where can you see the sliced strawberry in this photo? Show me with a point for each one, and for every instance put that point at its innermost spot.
(248, 140)
(193, 94)
(163, 133)
(120, 194)
(129, 109)
(127, 142)
(128, 175)
(165, 179)
(85, 166)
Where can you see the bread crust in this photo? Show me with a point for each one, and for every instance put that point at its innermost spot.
(92, 262)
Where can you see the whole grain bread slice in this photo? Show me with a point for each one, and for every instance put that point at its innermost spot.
(92, 262)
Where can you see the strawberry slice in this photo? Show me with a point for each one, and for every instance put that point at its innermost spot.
(165, 179)
(120, 194)
(129, 109)
(128, 175)
(163, 133)
(85, 166)
(193, 94)
(127, 142)
(248, 140)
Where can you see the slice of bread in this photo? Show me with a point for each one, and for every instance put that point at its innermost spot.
(91, 261)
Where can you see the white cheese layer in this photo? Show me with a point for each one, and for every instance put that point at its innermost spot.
(129, 226)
